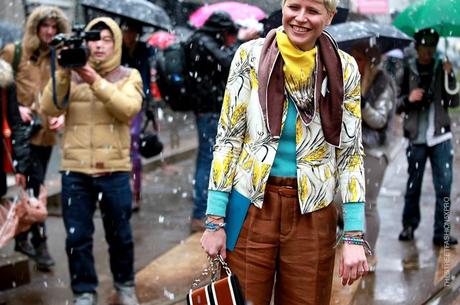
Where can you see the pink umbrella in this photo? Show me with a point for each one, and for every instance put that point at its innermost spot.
(161, 39)
(237, 10)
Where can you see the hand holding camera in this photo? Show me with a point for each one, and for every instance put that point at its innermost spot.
(86, 73)
(72, 52)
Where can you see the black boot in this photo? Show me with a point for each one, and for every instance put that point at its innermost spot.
(43, 258)
(407, 234)
(23, 246)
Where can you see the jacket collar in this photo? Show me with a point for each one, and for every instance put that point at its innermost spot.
(271, 87)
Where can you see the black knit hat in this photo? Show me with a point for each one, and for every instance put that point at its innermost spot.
(220, 21)
(427, 38)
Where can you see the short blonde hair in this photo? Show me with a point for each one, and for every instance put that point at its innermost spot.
(331, 5)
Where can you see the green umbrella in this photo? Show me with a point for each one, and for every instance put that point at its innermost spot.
(441, 15)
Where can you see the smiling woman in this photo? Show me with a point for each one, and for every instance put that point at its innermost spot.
(278, 157)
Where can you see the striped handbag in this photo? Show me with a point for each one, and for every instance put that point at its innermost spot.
(225, 291)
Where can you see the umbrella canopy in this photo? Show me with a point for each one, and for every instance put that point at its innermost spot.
(9, 33)
(139, 10)
(237, 10)
(441, 15)
(161, 39)
(385, 37)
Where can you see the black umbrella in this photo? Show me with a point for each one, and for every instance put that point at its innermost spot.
(9, 33)
(385, 37)
(139, 10)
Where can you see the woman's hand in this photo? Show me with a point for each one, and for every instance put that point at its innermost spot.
(56, 123)
(214, 243)
(353, 263)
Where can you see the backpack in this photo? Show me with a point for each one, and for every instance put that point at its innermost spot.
(174, 77)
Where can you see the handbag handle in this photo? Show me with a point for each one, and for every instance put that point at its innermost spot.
(212, 270)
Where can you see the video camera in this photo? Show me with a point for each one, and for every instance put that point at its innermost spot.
(76, 54)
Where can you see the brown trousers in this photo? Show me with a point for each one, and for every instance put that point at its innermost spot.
(279, 246)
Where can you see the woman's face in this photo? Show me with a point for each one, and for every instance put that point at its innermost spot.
(304, 21)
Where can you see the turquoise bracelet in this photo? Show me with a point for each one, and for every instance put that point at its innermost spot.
(213, 227)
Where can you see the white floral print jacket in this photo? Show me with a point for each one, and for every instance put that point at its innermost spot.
(245, 150)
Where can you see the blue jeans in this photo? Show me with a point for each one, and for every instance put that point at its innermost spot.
(440, 156)
(80, 193)
(207, 130)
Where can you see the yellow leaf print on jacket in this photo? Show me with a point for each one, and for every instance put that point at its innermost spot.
(217, 173)
(298, 131)
(304, 189)
(354, 108)
(354, 163)
(353, 187)
(254, 81)
(318, 154)
(225, 109)
(238, 114)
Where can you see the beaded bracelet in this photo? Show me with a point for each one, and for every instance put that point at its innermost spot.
(212, 226)
(357, 241)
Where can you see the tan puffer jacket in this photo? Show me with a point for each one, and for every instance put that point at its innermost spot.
(33, 71)
(98, 116)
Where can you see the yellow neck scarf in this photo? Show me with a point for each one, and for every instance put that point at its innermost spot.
(298, 70)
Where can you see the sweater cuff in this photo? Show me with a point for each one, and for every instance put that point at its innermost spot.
(353, 216)
(217, 203)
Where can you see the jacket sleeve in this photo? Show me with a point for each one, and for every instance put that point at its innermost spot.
(21, 148)
(349, 156)
(62, 87)
(7, 53)
(123, 103)
(376, 113)
(232, 126)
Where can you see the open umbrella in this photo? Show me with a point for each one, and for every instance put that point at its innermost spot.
(161, 39)
(385, 37)
(140, 10)
(237, 10)
(441, 15)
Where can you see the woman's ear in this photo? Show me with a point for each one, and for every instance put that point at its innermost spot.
(330, 16)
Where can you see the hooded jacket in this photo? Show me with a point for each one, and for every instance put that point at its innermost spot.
(33, 71)
(96, 135)
(209, 62)
(20, 144)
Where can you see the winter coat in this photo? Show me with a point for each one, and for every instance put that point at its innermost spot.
(209, 64)
(378, 107)
(96, 135)
(33, 71)
(20, 143)
(246, 145)
(441, 99)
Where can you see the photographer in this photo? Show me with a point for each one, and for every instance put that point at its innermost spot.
(103, 97)
(30, 60)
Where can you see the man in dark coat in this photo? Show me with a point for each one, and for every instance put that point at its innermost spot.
(210, 55)
(425, 101)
